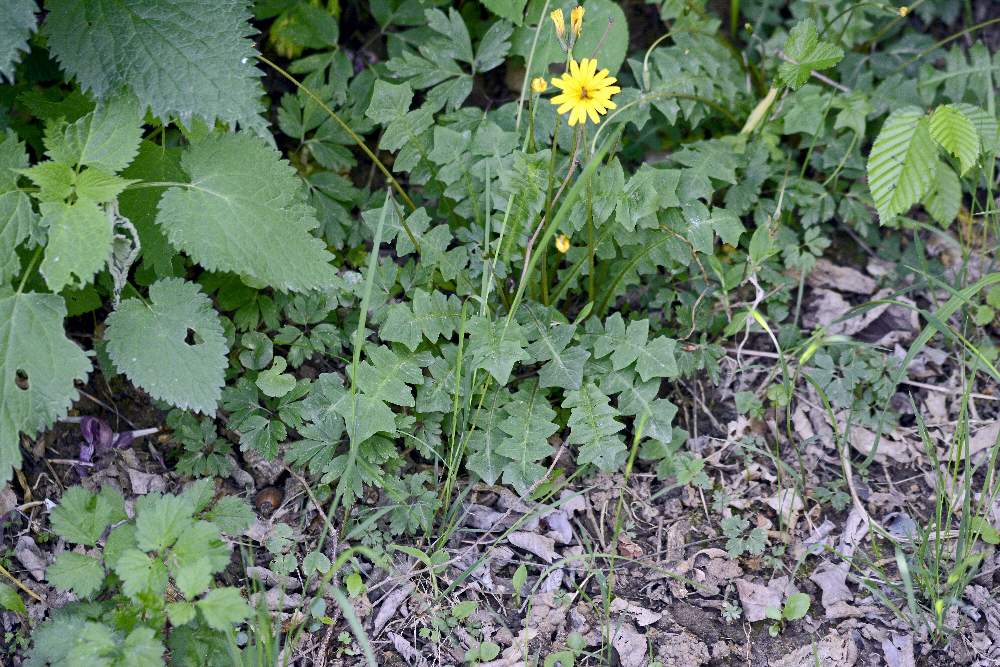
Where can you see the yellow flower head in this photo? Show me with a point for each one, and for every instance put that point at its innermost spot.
(904, 10)
(538, 85)
(585, 92)
(557, 20)
(576, 20)
(562, 243)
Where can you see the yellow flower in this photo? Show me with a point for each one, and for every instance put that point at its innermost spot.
(576, 20)
(585, 92)
(538, 85)
(557, 20)
(562, 243)
(904, 10)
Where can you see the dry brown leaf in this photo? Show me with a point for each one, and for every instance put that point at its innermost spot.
(631, 646)
(841, 278)
(541, 546)
(390, 605)
(756, 598)
(787, 503)
(405, 649)
(642, 616)
(30, 556)
(898, 650)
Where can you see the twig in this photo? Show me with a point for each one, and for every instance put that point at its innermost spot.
(24, 588)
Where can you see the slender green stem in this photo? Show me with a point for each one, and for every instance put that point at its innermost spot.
(28, 269)
(347, 128)
(938, 44)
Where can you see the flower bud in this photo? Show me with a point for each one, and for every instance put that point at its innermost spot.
(538, 85)
(558, 22)
(576, 20)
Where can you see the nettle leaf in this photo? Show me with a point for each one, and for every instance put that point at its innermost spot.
(82, 516)
(107, 138)
(181, 57)
(38, 366)
(79, 242)
(160, 520)
(495, 346)
(955, 133)
(944, 198)
(79, 573)
(16, 214)
(149, 343)
(628, 345)
(901, 163)
(528, 426)
(17, 22)
(807, 53)
(594, 428)
(241, 195)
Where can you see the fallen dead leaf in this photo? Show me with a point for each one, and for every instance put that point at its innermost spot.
(631, 646)
(541, 546)
(834, 650)
(390, 605)
(898, 650)
(405, 649)
(642, 616)
(756, 598)
(841, 278)
(628, 548)
(30, 556)
(787, 503)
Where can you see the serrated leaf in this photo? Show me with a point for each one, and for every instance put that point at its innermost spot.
(17, 22)
(385, 374)
(985, 124)
(594, 429)
(98, 186)
(486, 438)
(628, 344)
(77, 572)
(389, 102)
(107, 138)
(954, 132)
(82, 516)
(79, 243)
(528, 426)
(495, 346)
(232, 515)
(807, 54)
(180, 613)
(222, 608)
(38, 368)
(944, 198)
(241, 194)
(54, 180)
(198, 554)
(524, 184)
(901, 163)
(160, 520)
(11, 601)
(181, 57)
(16, 220)
(149, 344)
(430, 314)
(640, 401)
(141, 574)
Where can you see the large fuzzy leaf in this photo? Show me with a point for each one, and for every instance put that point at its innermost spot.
(38, 366)
(17, 22)
(106, 138)
(16, 215)
(149, 343)
(902, 162)
(181, 57)
(244, 212)
(955, 133)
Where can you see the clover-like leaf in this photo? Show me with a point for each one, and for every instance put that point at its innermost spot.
(38, 366)
(150, 344)
(245, 211)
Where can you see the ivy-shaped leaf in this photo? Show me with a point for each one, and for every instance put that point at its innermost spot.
(150, 344)
(807, 53)
(563, 367)
(628, 345)
(241, 195)
(594, 429)
(528, 426)
(901, 163)
(181, 57)
(640, 401)
(38, 368)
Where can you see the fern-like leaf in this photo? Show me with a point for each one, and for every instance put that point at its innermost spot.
(528, 427)
(594, 428)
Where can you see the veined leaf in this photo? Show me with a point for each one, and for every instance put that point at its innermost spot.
(944, 198)
(524, 182)
(244, 212)
(986, 126)
(149, 343)
(487, 437)
(107, 138)
(594, 428)
(628, 345)
(181, 57)
(79, 242)
(38, 366)
(954, 132)
(431, 314)
(17, 22)
(495, 346)
(77, 572)
(512, 10)
(528, 426)
(902, 162)
(807, 53)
